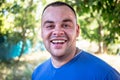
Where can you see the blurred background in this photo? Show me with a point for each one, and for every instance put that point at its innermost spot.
(22, 49)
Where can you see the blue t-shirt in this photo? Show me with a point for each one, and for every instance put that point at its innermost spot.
(84, 66)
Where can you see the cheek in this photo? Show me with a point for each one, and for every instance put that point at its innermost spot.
(45, 35)
(72, 32)
(73, 35)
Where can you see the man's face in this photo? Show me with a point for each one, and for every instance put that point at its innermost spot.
(59, 30)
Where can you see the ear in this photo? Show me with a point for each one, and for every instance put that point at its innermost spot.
(78, 30)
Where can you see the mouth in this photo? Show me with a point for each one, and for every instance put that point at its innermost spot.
(58, 41)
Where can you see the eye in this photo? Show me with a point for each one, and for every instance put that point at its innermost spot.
(66, 26)
(49, 26)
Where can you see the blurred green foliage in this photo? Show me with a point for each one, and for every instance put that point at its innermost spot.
(17, 21)
(99, 21)
(16, 71)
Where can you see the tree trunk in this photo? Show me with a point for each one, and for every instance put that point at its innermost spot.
(100, 43)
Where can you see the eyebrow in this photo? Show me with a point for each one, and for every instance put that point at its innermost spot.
(49, 21)
(67, 20)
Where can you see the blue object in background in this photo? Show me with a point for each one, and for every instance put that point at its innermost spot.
(39, 46)
(9, 51)
(27, 47)
(14, 50)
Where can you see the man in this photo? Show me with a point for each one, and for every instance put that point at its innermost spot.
(59, 32)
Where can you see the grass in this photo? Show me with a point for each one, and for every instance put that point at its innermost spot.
(22, 70)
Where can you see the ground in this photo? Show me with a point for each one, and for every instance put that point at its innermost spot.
(22, 70)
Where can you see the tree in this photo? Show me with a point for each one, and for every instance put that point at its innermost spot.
(17, 21)
(105, 14)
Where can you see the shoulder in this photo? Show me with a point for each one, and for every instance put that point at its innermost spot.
(89, 57)
(94, 60)
(41, 68)
(96, 64)
(112, 75)
(43, 65)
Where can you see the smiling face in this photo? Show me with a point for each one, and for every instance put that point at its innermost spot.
(59, 30)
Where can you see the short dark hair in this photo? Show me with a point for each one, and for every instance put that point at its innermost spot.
(59, 3)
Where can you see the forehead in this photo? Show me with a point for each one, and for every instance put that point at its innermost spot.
(58, 12)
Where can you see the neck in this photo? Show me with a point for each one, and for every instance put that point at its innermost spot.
(58, 62)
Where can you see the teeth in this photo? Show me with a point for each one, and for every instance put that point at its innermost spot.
(58, 41)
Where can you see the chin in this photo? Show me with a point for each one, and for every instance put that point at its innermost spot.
(57, 53)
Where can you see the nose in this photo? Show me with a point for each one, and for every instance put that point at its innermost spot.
(58, 32)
